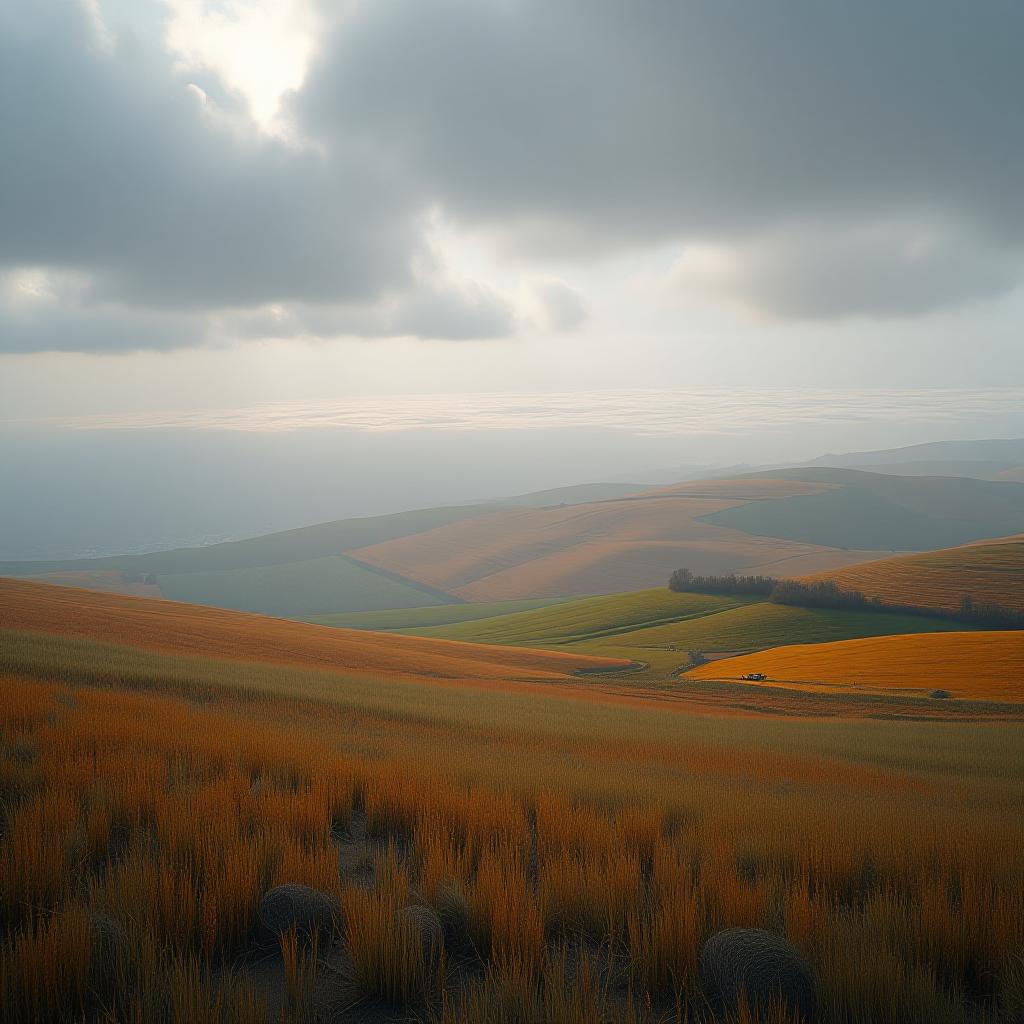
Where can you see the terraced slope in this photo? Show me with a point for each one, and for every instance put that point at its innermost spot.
(586, 619)
(596, 548)
(213, 632)
(979, 665)
(988, 571)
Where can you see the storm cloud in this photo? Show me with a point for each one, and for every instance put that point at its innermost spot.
(809, 160)
(587, 127)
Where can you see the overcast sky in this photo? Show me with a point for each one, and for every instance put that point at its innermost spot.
(213, 205)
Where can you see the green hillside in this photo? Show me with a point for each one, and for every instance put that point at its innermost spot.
(301, 545)
(876, 511)
(660, 628)
(399, 620)
(277, 574)
(298, 589)
(587, 618)
(772, 625)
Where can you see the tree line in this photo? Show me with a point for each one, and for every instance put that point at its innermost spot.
(828, 594)
(684, 580)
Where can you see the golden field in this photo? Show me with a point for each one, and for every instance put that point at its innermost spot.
(976, 665)
(578, 851)
(990, 571)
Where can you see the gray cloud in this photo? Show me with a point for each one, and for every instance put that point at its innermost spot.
(42, 312)
(113, 167)
(559, 308)
(455, 313)
(590, 125)
(580, 128)
(437, 310)
(826, 271)
(103, 329)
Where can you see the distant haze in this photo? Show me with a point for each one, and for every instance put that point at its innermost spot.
(143, 482)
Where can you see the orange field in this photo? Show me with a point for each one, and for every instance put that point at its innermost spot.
(988, 570)
(577, 855)
(215, 632)
(976, 665)
(623, 544)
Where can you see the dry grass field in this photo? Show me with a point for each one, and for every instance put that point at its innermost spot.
(987, 570)
(193, 629)
(576, 851)
(975, 665)
(617, 545)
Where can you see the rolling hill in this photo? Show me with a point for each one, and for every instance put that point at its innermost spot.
(853, 509)
(979, 665)
(783, 523)
(990, 571)
(331, 583)
(404, 620)
(585, 619)
(438, 556)
(995, 459)
(763, 624)
(660, 628)
(186, 629)
(304, 544)
(294, 574)
(595, 548)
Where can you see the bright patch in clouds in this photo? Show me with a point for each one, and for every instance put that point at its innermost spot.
(261, 48)
(506, 169)
(27, 284)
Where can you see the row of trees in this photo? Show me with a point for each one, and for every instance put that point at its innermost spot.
(684, 580)
(827, 594)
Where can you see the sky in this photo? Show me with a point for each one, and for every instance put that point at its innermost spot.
(595, 235)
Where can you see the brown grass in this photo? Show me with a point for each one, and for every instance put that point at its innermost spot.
(990, 571)
(618, 545)
(195, 629)
(580, 853)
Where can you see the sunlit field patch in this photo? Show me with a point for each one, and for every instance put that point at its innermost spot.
(977, 665)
